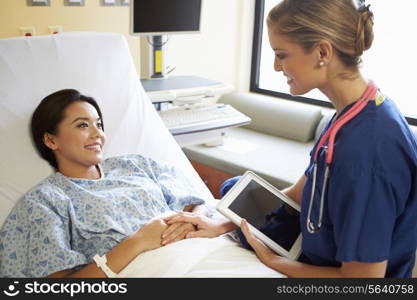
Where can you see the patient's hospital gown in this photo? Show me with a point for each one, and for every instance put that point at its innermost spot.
(63, 222)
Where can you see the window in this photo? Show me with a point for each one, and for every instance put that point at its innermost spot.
(391, 62)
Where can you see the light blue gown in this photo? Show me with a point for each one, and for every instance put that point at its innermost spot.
(63, 222)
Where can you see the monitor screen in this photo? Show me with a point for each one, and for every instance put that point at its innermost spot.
(161, 17)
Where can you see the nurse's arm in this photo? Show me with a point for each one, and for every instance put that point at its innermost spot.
(347, 270)
(295, 191)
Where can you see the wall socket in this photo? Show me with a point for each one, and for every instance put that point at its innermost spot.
(27, 31)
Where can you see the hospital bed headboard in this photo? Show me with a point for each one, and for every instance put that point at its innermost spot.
(98, 65)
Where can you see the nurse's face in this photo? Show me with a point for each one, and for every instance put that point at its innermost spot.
(80, 138)
(298, 66)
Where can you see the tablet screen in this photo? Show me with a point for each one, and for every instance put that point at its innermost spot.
(268, 213)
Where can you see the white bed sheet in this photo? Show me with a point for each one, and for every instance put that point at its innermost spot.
(199, 257)
(219, 257)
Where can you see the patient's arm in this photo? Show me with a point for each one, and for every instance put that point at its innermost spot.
(147, 238)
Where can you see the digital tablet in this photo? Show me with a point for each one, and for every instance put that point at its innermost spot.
(272, 216)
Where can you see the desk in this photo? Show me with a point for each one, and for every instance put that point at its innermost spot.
(180, 90)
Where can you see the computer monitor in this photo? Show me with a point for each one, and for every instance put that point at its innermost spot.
(159, 18)
(165, 17)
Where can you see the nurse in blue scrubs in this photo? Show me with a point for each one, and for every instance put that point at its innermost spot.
(358, 195)
(368, 223)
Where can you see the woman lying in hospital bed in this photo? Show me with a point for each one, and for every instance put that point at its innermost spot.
(92, 210)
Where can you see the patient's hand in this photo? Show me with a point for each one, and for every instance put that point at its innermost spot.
(150, 235)
(176, 232)
(206, 227)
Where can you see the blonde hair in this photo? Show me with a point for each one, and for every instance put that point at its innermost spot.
(348, 27)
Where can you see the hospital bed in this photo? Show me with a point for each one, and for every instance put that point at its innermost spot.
(100, 65)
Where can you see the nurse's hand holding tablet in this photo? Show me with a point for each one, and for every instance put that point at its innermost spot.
(252, 199)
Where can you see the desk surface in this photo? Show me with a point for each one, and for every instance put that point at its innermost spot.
(175, 87)
(176, 83)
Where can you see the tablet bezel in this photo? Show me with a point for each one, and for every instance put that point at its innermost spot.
(231, 195)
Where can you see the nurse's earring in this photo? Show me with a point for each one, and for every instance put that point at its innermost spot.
(321, 64)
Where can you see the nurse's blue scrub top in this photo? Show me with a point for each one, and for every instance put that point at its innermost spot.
(370, 210)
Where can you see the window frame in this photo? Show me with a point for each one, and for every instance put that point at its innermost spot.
(256, 65)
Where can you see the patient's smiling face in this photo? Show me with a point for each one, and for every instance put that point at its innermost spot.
(79, 140)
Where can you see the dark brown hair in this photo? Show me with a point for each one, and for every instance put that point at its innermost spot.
(48, 115)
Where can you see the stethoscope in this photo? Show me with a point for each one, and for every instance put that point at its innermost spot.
(329, 136)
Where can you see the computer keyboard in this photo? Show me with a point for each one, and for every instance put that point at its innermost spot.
(203, 117)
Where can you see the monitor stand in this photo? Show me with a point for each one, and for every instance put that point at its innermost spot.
(157, 56)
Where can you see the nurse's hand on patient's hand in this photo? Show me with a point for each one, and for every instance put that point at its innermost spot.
(150, 235)
(176, 232)
(264, 253)
(206, 227)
